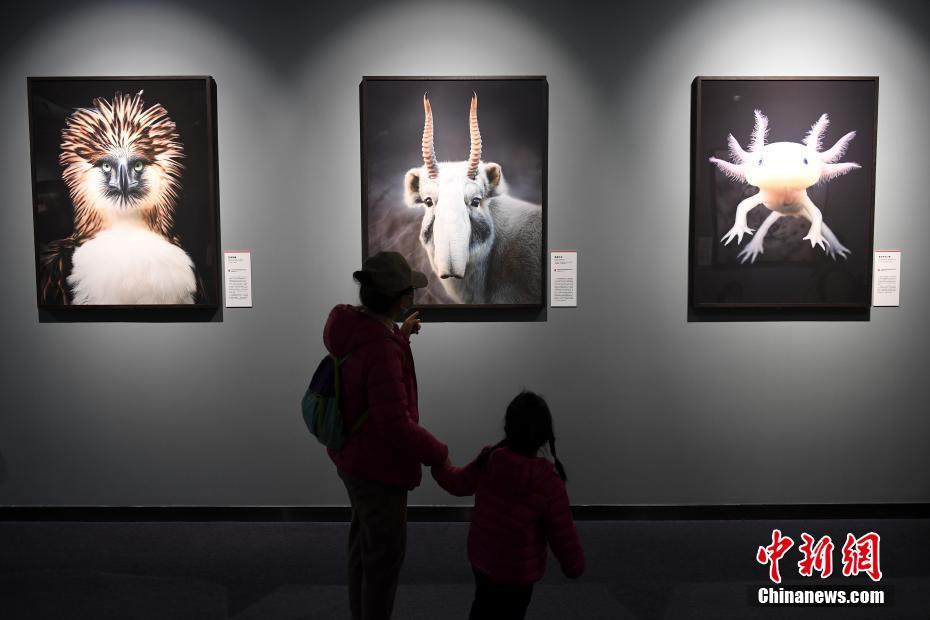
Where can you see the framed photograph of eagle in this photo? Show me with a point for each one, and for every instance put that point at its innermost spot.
(783, 194)
(124, 192)
(454, 178)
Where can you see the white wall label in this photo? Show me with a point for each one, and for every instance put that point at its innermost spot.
(237, 267)
(886, 278)
(563, 280)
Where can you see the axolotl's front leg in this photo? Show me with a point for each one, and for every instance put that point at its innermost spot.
(834, 247)
(754, 248)
(740, 226)
(812, 213)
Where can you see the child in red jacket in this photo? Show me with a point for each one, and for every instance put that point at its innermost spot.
(520, 506)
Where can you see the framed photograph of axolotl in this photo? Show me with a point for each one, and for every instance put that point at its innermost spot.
(783, 193)
(454, 178)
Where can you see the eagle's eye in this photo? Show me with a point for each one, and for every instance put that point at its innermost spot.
(428, 201)
(138, 166)
(476, 201)
(106, 166)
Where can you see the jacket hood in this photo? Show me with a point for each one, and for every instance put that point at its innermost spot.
(517, 474)
(348, 328)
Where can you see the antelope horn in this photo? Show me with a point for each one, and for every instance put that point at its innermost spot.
(429, 152)
(475, 155)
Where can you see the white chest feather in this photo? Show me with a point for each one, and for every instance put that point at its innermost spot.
(129, 266)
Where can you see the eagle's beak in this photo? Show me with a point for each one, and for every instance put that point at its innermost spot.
(124, 179)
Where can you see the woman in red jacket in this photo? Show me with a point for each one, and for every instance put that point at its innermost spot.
(520, 506)
(378, 396)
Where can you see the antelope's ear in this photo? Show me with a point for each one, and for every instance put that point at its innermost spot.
(496, 184)
(412, 188)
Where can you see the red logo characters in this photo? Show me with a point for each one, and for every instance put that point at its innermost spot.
(860, 555)
(773, 553)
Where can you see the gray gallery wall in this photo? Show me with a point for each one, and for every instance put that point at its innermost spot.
(650, 409)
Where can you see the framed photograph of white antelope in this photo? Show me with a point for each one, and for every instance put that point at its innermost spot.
(454, 178)
(124, 192)
(783, 193)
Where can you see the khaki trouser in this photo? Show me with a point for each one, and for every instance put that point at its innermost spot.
(377, 544)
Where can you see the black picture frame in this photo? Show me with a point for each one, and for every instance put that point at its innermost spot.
(794, 281)
(190, 102)
(379, 126)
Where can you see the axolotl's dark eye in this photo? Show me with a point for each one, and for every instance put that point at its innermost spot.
(760, 162)
(805, 161)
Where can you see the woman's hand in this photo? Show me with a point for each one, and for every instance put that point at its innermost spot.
(411, 325)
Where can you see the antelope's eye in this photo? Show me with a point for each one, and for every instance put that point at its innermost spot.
(138, 166)
(428, 201)
(475, 202)
(106, 166)
(805, 161)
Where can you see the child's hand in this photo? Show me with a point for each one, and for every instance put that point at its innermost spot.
(411, 325)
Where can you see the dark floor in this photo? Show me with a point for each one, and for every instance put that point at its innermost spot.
(293, 570)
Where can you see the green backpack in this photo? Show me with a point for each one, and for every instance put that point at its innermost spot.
(320, 405)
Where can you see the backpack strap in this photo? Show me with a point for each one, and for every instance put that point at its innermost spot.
(339, 361)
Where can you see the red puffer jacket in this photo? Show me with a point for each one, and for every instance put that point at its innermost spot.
(520, 505)
(379, 377)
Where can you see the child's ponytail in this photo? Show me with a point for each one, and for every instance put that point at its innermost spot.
(558, 464)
